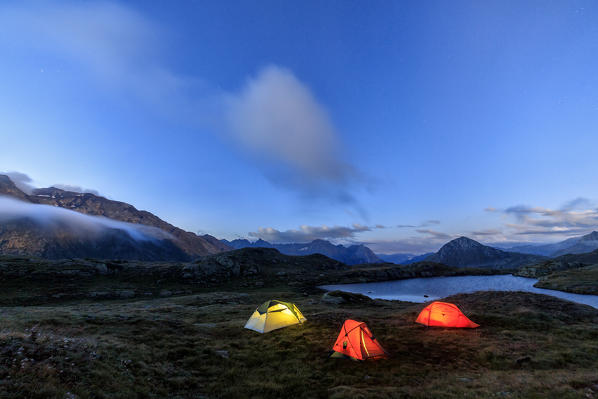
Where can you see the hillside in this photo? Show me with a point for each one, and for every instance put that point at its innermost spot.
(580, 280)
(564, 262)
(351, 255)
(188, 243)
(465, 252)
(26, 237)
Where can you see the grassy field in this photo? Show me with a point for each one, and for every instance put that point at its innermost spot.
(194, 346)
(582, 280)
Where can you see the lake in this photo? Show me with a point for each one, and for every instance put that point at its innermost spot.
(413, 290)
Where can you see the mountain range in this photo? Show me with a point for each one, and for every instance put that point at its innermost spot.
(351, 255)
(112, 229)
(575, 245)
(402, 258)
(465, 252)
(55, 223)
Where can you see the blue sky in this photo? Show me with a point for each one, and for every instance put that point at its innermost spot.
(301, 120)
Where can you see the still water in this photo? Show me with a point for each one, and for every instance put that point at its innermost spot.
(433, 288)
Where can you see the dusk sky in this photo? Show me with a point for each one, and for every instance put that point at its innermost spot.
(394, 123)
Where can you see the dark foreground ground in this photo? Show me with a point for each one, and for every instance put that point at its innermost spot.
(92, 329)
(194, 346)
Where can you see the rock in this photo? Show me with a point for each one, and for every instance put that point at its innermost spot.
(101, 268)
(523, 360)
(126, 294)
(223, 354)
(342, 297)
(99, 294)
(333, 300)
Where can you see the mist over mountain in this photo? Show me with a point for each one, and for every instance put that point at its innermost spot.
(58, 240)
(54, 223)
(465, 252)
(351, 255)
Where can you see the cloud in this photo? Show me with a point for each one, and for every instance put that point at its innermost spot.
(435, 234)
(21, 180)
(430, 222)
(425, 223)
(278, 121)
(116, 44)
(275, 117)
(51, 216)
(75, 189)
(575, 217)
(23, 183)
(487, 232)
(578, 203)
(309, 233)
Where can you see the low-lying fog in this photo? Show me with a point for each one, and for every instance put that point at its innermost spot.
(55, 217)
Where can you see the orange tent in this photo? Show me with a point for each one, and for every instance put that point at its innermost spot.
(357, 341)
(443, 314)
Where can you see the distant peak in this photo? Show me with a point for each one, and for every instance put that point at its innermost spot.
(464, 240)
(593, 236)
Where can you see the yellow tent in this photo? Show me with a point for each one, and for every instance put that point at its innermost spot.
(274, 314)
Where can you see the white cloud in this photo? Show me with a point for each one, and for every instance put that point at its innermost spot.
(576, 217)
(21, 180)
(277, 119)
(46, 215)
(309, 233)
(119, 46)
(75, 188)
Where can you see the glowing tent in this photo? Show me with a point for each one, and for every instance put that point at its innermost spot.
(357, 341)
(443, 314)
(274, 314)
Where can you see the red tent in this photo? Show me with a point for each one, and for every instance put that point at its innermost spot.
(443, 314)
(357, 341)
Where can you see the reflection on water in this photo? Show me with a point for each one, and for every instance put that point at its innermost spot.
(433, 288)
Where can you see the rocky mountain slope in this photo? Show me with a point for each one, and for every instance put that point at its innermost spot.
(352, 255)
(26, 237)
(465, 252)
(180, 244)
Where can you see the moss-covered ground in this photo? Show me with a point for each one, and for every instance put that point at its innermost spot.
(195, 346)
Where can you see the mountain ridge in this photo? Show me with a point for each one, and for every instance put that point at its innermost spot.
(190, 244)
(465, 252)
(351, 255)
(573, 245)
